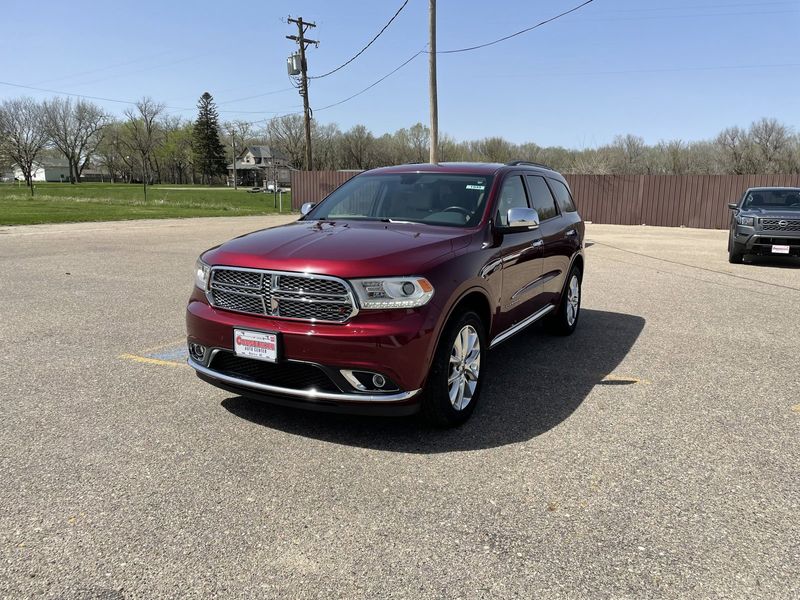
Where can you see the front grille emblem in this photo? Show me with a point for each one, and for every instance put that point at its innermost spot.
(782, 224)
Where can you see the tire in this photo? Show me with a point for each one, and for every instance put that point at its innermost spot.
(451, 392)
(735, 251)
(565, 319)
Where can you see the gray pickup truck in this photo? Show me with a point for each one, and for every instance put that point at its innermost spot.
(766, 221)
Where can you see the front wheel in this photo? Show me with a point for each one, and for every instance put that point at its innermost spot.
(565, 319)
(456, 376)
(735, 251)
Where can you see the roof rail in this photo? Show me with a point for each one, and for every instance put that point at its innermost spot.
(514, 163)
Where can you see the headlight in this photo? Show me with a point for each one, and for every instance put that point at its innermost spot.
(746, 221)
(394, 292)
(201, 271)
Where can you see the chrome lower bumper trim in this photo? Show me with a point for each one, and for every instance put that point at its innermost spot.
(301, 394)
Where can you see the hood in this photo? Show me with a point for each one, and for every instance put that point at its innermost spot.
(342, 248)
(771, 213)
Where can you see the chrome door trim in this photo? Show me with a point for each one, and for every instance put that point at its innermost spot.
(302, 394)
(502, 337)
(541, 280)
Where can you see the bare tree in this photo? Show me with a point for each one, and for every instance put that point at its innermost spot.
(419, 137)
(287, 134)
(75, 128)
(359, 146)
(23, 134)
(326, 140)
(144, 134)
(772, 144)
(733, 146)
(629, 154)
(496, 149)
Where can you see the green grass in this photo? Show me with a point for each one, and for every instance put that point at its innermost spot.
(65, 203)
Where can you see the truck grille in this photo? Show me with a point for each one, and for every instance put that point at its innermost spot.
(775, 224)
(280, 294)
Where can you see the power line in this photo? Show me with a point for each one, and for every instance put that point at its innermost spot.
(130, 102)
(49, 91)
(369, 87)
(256, 96)
(360, 52)
(520, 32)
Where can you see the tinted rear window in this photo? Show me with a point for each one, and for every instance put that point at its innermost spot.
(541, 198)
(563, 197)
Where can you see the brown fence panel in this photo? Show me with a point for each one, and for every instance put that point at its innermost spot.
(313, 186)
(665, 200)
(658, 200)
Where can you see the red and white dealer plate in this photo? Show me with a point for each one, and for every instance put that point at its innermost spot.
(255, 344)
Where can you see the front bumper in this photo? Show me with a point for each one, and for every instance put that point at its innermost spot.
(755, 241)
(397, 344)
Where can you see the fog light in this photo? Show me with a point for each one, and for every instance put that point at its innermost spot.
(378, 381)
(197, 351)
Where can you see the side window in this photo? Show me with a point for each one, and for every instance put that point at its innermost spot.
(512, 195)
(542, 199)
(563, 196)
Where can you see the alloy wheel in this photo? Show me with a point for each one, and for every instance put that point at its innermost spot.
(465, 366)
(573, 300)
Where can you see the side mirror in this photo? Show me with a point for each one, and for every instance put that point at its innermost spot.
(306, 208)
(733, 205)
(522, 218)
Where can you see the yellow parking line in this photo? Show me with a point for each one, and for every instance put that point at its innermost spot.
(796, 408)
(152, 361)
(625, 379)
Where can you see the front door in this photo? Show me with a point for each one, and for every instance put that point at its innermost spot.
(521, 255)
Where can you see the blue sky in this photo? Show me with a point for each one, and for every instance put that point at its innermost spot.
(662, 69)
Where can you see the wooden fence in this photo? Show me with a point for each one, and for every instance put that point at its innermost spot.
(659, 200)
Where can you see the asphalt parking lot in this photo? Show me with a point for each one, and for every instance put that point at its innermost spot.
(653, 454)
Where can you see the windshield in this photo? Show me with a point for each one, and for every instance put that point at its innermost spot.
(433, 198)
(773, 199)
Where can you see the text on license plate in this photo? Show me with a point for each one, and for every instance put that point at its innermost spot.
(255, 344)
(776, 249)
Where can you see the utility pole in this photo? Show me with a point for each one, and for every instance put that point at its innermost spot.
(432, 83)
(302, 41)
(233, 144)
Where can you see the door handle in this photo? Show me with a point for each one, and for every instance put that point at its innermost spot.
(571, 233)
(537, 244)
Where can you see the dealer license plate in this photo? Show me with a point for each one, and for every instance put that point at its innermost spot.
(255, 344)
(780, 249)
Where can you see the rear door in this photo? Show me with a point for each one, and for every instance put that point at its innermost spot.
(556, 236)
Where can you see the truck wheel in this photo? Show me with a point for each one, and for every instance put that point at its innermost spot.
(456, 375)
(565, 319)
(735, 253)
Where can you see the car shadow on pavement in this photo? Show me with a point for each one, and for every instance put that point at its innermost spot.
(780, 262)
(535, 382)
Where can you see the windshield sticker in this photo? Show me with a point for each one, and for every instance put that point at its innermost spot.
(476, 187)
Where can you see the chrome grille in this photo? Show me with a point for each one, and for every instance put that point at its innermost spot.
(774, 224)
(277, 294)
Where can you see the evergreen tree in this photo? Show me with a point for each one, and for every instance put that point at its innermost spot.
(209, 153)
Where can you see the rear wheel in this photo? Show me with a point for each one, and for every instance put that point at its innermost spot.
(565, 320)
(456, 376)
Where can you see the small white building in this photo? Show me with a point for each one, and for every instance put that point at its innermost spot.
(46, 170)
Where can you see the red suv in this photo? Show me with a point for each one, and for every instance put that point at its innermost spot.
(386, 296)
